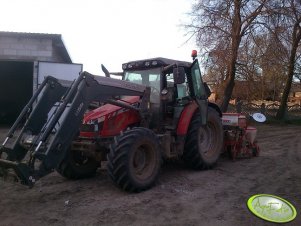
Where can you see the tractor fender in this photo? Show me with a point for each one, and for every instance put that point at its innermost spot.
(185, 118)
(187, 114)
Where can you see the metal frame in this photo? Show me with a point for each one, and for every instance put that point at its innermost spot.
(52, 136)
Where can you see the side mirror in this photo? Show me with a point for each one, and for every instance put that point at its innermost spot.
(179, 75)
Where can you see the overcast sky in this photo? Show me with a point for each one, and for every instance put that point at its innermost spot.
(108, 32)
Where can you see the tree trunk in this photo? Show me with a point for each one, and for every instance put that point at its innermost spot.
(230, 83)
(235, 39)
(291, 68)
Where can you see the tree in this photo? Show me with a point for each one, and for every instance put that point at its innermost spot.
(216, 68)
(289, 12)
(228, 22)
(273, 65)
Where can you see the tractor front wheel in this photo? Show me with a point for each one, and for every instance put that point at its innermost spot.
(134, 160)
(203, 143)
(77, 166)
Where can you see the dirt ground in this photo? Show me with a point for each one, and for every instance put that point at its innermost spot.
(181, 196)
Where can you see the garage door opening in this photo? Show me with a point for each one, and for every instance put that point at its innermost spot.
(16, 85)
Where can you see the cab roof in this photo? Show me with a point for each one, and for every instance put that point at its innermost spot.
(153, 62)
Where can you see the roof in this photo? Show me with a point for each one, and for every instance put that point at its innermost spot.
(164, 61)
(57, 40)
(154, 62)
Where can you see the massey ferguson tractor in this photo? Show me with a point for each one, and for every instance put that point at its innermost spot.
(159, 110)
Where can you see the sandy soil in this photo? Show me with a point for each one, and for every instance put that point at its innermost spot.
(181, 196)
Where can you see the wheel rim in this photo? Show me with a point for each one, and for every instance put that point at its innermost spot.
(79, 158)
(143, 162)
(207, 140)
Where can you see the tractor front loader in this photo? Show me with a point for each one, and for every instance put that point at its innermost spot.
(159, 110)
(55, 120)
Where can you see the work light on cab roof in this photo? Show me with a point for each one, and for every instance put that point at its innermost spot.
(194, 54)
(139, 64)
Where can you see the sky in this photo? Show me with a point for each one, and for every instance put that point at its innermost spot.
(109, 32)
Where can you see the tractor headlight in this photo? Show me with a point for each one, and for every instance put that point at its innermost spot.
(93, 125)
(87, 128)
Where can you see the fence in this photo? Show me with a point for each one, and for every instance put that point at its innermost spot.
(270, 110)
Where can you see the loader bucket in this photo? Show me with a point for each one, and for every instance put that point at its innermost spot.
(16, 172)
(16, 160)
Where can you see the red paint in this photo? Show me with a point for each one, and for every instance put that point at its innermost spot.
(114, 124)
(185, 118)
(107, 109)
(114, 118)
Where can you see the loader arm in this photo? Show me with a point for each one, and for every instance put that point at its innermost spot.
(41, 144)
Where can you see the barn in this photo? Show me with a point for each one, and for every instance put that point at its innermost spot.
(20, 54)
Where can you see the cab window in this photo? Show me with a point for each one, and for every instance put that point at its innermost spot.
(181, 89)
(197, 82)
(150, 77)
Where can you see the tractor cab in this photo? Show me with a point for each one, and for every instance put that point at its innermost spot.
(173, 85)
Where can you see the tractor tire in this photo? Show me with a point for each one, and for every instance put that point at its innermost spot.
(77, 166)
(134, 160)
(203, 144)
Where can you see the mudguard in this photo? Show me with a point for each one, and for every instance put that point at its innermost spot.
(187, 114)
(185, 118)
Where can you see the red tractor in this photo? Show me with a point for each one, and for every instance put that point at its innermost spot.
(159, 110)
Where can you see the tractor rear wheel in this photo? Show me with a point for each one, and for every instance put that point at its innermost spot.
(203, 143)
(134, 160)
(77, 166)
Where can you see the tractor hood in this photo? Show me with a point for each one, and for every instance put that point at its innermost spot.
(108, 108)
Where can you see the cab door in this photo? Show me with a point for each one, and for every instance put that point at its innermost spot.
(198, 90)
